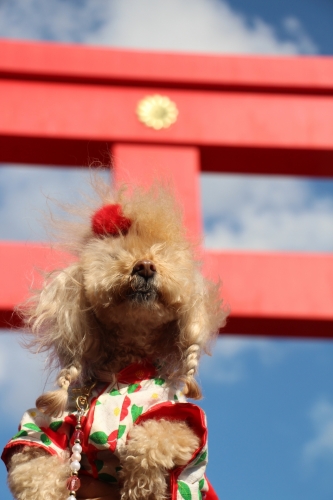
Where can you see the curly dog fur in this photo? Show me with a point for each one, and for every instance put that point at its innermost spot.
(98, 315)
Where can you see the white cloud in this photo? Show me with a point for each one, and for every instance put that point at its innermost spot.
(195, 25)
(321, 445)
(267, 213)
(187, 25)
(228, 364)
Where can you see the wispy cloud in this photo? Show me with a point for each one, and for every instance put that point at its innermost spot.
(320, 446)
(26, 194)
(228, 364)
(294, 28)
(267, 213)
(61, 20)
(187, 25)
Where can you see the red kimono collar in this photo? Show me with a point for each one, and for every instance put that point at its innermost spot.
(136, 372)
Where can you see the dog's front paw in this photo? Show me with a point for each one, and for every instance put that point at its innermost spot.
(141, 481)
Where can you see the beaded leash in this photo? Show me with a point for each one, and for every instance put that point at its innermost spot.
(82, 405)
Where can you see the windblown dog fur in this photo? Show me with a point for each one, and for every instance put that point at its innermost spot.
(98, 315)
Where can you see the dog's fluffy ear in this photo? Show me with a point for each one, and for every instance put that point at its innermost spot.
(59, 320)
(57, 314)
(199, 325)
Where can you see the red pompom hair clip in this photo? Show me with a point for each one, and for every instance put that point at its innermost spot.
(109, 220)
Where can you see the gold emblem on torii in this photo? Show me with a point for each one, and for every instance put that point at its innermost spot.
(157, 111)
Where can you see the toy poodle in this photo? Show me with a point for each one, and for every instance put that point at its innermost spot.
(126, 324)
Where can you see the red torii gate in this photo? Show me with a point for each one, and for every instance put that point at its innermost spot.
(62, 105)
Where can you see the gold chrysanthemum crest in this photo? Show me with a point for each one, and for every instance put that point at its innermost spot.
(157, 111)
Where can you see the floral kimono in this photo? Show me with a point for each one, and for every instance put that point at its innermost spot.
(138, 395)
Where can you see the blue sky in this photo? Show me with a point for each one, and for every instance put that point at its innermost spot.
(269, 402)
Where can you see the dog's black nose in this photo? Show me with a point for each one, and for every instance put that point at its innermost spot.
(144, 268)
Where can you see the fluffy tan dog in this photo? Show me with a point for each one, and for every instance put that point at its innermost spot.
(126, 324)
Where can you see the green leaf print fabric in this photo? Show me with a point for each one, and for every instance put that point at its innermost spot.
(136, 396)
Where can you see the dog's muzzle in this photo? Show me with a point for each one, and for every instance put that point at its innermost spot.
(142, 286)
